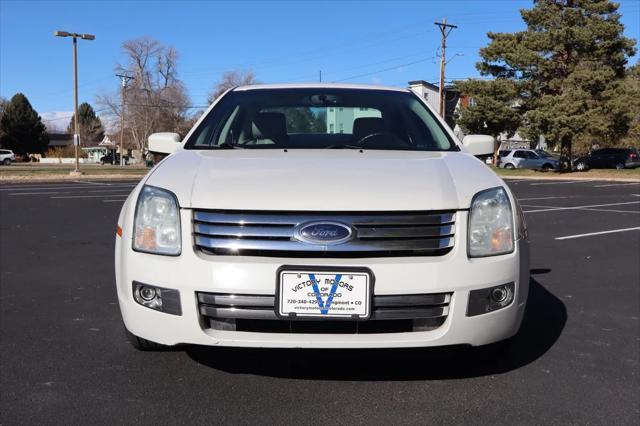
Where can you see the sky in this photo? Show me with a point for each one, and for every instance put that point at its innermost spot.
(372, 42)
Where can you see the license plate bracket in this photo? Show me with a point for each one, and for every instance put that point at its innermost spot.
(311, 292)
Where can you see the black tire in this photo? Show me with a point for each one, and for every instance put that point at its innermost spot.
(6, 161)
(582, 166)
(143, 344)
(619, 166)
(509, 166)
(547, 167)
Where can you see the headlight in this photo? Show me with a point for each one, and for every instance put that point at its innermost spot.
(156, 226)
(490, 224)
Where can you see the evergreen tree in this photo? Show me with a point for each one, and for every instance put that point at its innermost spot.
(21, 127)
(89, 125)
(570, 66)
(494, 109)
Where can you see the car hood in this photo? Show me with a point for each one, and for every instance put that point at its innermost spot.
(323, 180)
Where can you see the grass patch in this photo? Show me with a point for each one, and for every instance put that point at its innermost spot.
(590, 174)
(64, 169)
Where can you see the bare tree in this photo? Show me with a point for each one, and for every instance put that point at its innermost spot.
(156, 100)
(232, 79)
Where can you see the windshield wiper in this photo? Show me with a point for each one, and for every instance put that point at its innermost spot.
(343, 147)
(227, 145)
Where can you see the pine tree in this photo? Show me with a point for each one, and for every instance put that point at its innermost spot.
(21, 127)
(89, 124)
(570, 67)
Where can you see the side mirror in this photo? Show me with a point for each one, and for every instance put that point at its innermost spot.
(164, 143)
(479, 145)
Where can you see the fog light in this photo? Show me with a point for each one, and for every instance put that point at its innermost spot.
(147, 293)
(499, 294)
(490, 299)
(157, 298)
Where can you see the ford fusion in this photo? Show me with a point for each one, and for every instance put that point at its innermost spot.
(321, 216)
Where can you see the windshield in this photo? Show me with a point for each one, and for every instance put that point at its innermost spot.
(320, 119)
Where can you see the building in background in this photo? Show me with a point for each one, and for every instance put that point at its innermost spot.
(340, 119)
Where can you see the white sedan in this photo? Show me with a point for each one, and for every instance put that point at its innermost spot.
(321, 216)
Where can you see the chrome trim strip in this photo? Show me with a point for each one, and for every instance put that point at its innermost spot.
(413, 313)
(237, 313)
(412, 300)
(406, 232)
(351, 246)
(355, 219)
(236, 300)
(243, 231)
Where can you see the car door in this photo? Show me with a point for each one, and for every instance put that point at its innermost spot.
(519, 158)
(533, 161)
(597, 159)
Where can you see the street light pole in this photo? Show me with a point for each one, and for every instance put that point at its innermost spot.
(76, 135)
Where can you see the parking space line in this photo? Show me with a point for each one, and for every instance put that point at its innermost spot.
(568, 237)
(111, 190)
(617, 184)
(539, 198)
(29, 188)
(613, 211)
(552, 208)
(115, 201)
(92, 183)
(562, 182)
(39, 193)
(88, 196)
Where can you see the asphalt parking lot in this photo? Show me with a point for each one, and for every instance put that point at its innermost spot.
(65, 360)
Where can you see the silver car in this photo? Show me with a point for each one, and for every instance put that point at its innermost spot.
(527, 159)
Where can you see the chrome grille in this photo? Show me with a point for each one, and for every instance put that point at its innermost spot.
(272, 233)
(398, 313)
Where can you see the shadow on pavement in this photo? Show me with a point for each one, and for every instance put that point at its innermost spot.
(542, 325)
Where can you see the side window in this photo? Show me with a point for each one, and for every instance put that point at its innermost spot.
(519, 154)
(598, 152)
(532, 155)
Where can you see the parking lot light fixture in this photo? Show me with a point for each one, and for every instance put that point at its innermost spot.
(76, 135)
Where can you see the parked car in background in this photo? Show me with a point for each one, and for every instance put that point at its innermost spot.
(608, 158)
(6, 157)
(527, 159)
(108, 159)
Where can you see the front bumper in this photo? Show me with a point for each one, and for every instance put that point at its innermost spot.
(194, 271)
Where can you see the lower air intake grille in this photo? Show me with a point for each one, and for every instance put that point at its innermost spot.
(390, 314)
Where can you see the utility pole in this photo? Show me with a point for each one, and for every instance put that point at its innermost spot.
(445, 29)
(124, 79)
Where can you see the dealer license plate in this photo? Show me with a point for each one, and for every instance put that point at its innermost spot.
(325, 294)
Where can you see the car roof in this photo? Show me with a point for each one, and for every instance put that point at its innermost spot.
(319, 86)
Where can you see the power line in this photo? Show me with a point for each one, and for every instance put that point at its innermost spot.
(383, 70)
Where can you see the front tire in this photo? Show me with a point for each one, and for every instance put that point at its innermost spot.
(143, 344)
(581, 166)
(619, 166)
(547, 167)
(6, 161)
(509, 166)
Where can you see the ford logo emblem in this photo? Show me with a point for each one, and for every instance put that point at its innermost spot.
(326, 233)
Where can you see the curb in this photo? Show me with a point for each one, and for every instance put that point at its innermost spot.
(63, 178)
(586, 179)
